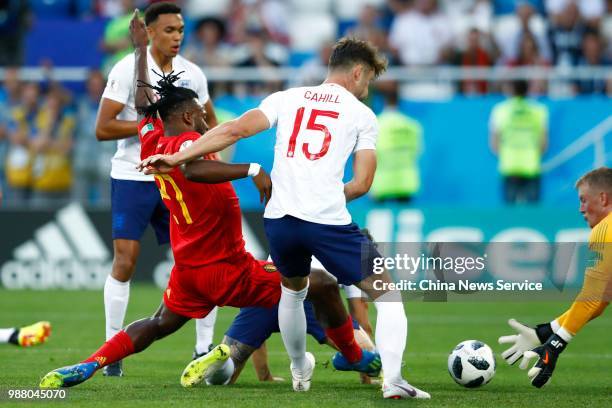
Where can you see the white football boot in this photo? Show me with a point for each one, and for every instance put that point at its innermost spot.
(301, 378)
(403, 390)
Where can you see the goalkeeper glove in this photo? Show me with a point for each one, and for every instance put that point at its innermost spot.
(526, 339)
(547, 355)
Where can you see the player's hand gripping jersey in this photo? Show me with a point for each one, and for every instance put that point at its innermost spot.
(317, 130)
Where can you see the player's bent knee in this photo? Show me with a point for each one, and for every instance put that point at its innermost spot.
(296, 283)
(123, 268)
(124, 259)
(322, 284)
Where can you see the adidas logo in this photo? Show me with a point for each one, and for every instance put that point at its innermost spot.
(66, 253)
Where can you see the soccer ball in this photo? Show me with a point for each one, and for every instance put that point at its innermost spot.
(471, 363)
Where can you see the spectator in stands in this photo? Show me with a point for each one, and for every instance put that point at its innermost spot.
(313, 71)
(475, 55)
(116, 42)
(519, 137)
(477, 13)
(207, 46)
(565, 36)
(529, 56)
(274, 16)
(116, 8)
(51, 146)
(10, 95)
(591, 11)
(24, 120)
(91, 158)
(14, 22)
(398, 149)
(526, 13)
(370, 28)
(269, 16)
(593, 56)
(257, 51)
(421, 35)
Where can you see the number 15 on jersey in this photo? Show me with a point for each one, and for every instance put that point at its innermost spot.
(311, 125)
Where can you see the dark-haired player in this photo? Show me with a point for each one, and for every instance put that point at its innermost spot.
(317, 129)
(212, 267)
(136, 202)
(546, 341)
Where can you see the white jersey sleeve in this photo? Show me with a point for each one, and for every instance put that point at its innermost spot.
(367, 132)
(270, 107)
(120, 81)
(200, 83)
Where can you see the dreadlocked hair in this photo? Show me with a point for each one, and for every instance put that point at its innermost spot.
(170, 97)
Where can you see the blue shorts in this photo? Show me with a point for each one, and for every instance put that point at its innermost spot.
(253, 325)
(344, 250)
(136, 204)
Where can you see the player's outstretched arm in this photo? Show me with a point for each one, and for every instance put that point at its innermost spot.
(214, 171)
(364, 168)
(217, 139)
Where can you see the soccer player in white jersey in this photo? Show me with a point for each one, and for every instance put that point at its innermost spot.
(318, 128)
(135, 199)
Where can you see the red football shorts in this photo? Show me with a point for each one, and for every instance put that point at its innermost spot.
(240, 282)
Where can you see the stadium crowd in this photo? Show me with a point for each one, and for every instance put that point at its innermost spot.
(43, 125)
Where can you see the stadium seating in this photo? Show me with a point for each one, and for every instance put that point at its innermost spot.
(319, 27)
(51, 8)
(350, 9)
(311, 6)
(198, 8)
(506, 26)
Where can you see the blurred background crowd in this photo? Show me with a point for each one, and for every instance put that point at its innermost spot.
(48, 150)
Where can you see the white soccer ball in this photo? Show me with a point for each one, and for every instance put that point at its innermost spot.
(472, 363)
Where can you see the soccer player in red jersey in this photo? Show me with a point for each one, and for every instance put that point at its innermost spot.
(212, 267)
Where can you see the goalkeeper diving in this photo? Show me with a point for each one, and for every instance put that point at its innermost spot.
(546, 341)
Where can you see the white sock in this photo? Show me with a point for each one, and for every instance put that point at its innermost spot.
(292, 324)
(220, 373)
(5, 334)
(205, 329)
(116, 297)
(565, 335)
(391, 333)
(555, 326)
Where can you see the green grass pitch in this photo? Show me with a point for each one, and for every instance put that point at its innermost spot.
(583, 376)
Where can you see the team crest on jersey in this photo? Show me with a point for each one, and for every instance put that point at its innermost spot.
(113, 85)
(184, 83)
(146, 129)
(269, 268)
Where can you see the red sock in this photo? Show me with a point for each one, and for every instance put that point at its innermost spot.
(115, 349)
(344, 337)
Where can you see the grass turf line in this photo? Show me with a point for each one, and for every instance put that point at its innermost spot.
(583, 376)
